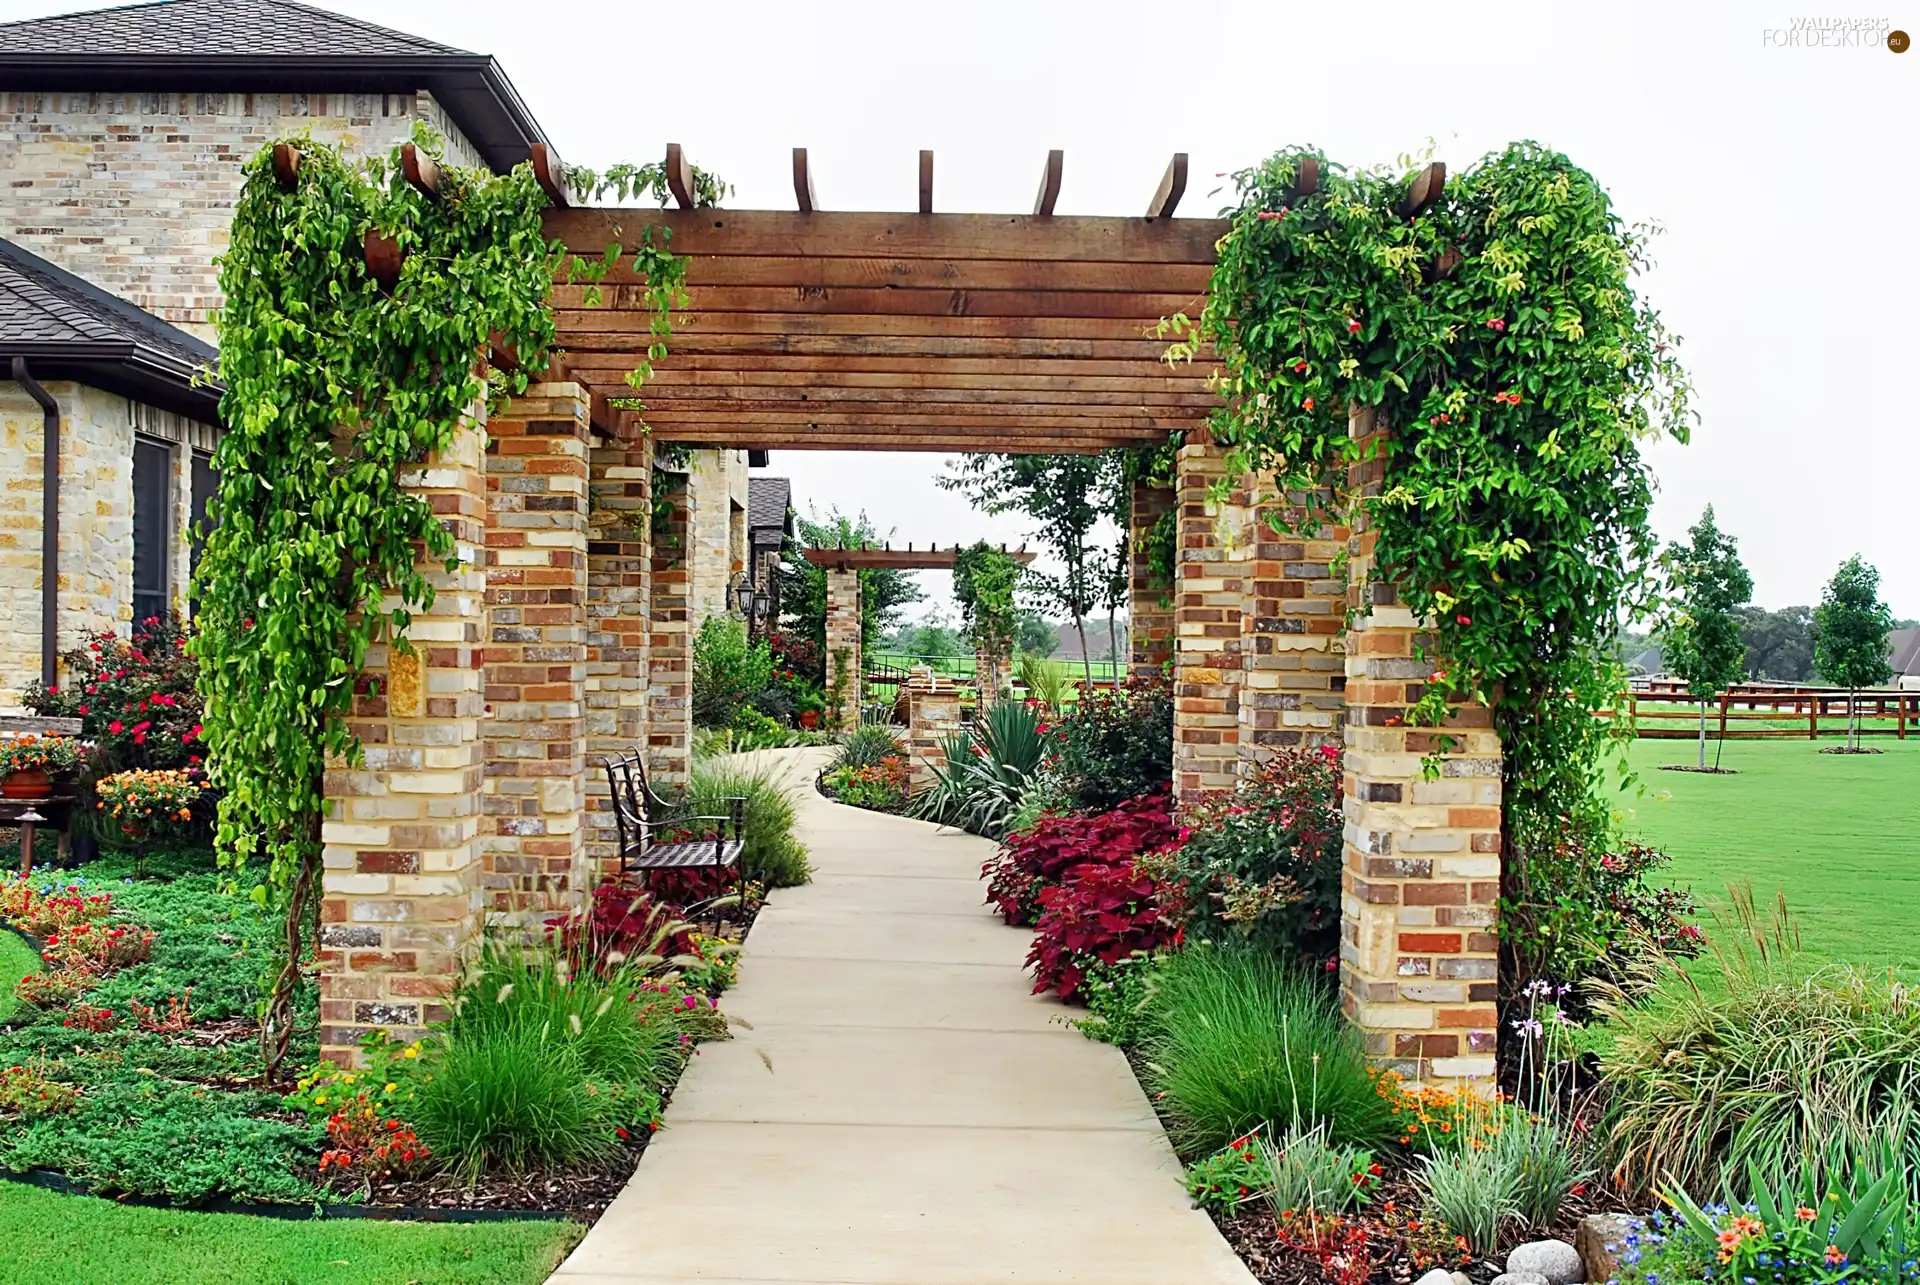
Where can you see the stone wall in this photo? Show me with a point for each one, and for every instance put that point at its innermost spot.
(401, 890)
(933, 714)
(1149, 598)
(717, 517)
(1292, 644)
(1217, 548)
(135, 191)
(670, 648)
(536, 654)
(96, 517)
(843, 673)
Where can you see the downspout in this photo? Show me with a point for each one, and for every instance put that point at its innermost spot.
(49, 524)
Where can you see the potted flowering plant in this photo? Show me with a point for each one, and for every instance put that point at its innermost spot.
(29, 764)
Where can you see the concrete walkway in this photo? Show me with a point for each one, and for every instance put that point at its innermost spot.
(894, 1107)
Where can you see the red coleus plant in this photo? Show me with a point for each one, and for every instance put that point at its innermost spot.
(623, 918)
(1039, 858)
(1101, 914)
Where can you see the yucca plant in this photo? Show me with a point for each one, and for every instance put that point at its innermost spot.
(1045, 680)
(988, 772)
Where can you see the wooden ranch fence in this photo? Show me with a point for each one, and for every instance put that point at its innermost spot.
(1662, 710)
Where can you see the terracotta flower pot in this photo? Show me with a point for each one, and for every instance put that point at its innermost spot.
(28, 783)
(809, 719)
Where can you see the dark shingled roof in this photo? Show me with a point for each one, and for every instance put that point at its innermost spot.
(1903, 653)
(264, 46)
(68, 328)
(200, 28)
(769, 509)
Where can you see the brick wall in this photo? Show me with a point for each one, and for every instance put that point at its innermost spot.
(401, 893)
(1214, 563)
(135, 191)
(1292, 633)
(670, 650)
(619, 607)
(536, 657)
(843, 646)
(1149, 599)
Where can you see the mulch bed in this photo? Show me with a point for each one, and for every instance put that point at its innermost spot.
(579, 1194)
(1709, 771)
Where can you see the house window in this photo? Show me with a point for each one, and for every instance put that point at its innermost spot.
(206, 483)
(152, 528)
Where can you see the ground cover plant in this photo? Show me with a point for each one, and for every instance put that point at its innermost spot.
(869, 769)
(57, 1239)
(1047, 852)
(1831, 832)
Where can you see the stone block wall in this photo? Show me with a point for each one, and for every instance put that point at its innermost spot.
(843, 646)
(993, 676)
(135, 191)
(536, 653)
(1292, 634)
(670, 648)
(401, 887)
(1215, 564)
(933, 714)
(619, 615)
(1419, 958)
(1149, 599)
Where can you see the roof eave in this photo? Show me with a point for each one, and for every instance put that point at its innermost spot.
(127, 369)
(473, 88)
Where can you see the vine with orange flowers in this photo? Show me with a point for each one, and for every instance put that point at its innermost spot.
(1498, 331)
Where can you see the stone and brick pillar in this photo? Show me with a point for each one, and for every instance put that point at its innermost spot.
(1293, 629)
(1149, 597)
(1215, 562)
(1419, 960)
(670, 647)
(843, 646)
(933, 714)
(993, 675)
(400, 894)
(536, 657)
(619, 612)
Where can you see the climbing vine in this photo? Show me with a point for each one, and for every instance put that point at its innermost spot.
(983, 583)
(336, 389)
(1499, 334)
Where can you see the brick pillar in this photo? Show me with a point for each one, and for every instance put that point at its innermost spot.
(933, 714)
(843, 646)
(1149, 598)
(1418, 956)
(536, 661)
(993, 675)
(401, 893)
(1293, 631)
(1215, 558)
(619, 610)
(670, 649)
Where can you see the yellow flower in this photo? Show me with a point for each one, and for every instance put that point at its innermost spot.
(391, 1087)
(413, 1050)
(320, 1100)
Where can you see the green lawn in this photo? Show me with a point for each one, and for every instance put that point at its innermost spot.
(53, 1239)
(16, 961)
(1840, 834)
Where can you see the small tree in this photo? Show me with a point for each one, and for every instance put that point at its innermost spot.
(1850, 628)
(1700, 634)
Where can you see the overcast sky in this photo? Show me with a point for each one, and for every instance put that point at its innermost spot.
(1786, 178)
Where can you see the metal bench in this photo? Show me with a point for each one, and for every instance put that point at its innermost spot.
(641, 817)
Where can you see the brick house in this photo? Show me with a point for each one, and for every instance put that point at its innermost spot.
(122, 136)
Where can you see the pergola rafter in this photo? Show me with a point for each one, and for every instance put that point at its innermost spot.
(821, 329)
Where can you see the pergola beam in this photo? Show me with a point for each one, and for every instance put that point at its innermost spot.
(1050, 175)
(550, 174)
(926, 181)
(1425, 189)
(802, 181)
(1173, 185)
(679, 176)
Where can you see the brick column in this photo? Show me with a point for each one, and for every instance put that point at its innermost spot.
(993, 675)
(1149, 598)
(401, 893)
(536, 657)
(1418, 955)
(1217, 545)
(1293, 631)
(933, 714)
(619, 611)
(670, 649)
(843, 646)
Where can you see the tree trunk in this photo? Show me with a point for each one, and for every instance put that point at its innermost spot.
(276, 1027)
(1113, 643)
(1703, 736)
(1086, 661)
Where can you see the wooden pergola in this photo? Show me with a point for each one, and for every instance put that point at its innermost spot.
(865, 558)
(820, 329)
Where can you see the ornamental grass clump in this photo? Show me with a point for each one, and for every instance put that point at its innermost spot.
(1748, 1062)
(1238, 1040)
(774, 855)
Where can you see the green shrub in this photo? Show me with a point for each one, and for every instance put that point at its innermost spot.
(1311, 1175)
(1116, 745)
(1229, 1177)
(1748, 1062)
(1238, 1040)
(866, 746)
(728, 671)
(774, 855)
(1119, 997)
(1544, 1161)
(1046, 680)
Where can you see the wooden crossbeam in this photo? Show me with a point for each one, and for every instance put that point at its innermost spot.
(1051, 401)
(1049, 184)
(907, 559)
(421, 171)
(550, 174)
(926, 181)
(679, 176)
(1143, 309)
(929, 274)
(1424, 191)
(1173, 185)
(802, 181)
